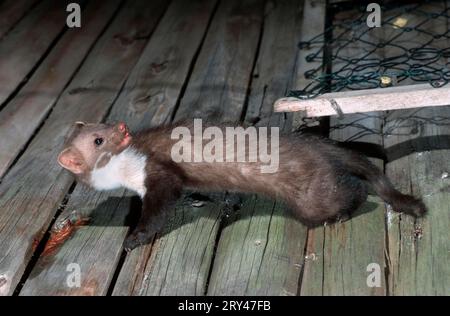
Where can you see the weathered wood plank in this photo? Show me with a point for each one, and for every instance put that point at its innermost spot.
(20, 118)
(168, 45)
(393, 98)
(313, 23)
(181, 257)
(338, 256)
(154, 88)
(263, 235)
(276, 64)
(31, 191)
(133, 272)
(260, 251)
(11, 11)
(419, 249)
(37, 30)
(94, 248)
(222, 72)
(180, 260)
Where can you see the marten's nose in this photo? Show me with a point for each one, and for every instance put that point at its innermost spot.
(122, 128)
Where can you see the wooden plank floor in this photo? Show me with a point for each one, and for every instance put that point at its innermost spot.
(419, 250)
(154, 62)
(334, 246)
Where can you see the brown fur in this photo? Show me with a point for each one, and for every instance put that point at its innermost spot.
(319, 180)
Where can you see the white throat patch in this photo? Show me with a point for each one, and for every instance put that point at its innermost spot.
(126, 169)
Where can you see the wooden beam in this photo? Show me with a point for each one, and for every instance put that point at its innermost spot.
(368, 100)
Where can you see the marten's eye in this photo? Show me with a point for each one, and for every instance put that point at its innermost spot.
(98, 141)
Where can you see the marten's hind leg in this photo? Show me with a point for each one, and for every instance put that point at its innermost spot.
(335, 203)
(351, 195)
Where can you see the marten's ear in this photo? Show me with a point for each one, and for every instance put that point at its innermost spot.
(72, 160)
(80, 124)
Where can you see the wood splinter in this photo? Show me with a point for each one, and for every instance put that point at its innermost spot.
(62, 231)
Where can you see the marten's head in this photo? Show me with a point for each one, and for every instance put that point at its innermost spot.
(92, 146)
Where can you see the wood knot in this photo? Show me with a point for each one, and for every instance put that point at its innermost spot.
(158, 67)
(141, 103)
(124, 40)
(311, 256)
(3, 280)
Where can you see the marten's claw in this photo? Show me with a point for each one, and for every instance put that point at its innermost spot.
(137, 239)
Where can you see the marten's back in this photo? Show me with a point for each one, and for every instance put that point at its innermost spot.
(297, 162)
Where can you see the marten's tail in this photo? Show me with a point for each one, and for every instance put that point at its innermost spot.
(363, 168)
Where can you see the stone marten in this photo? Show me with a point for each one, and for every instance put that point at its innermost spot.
(319, 180)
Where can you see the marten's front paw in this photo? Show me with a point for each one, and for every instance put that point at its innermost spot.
(136, 239)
